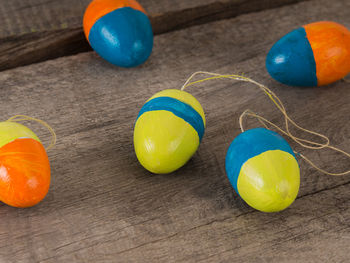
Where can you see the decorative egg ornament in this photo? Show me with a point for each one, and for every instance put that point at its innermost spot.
(24, 166)
(315, 54)
(263, 170)
(119, 31)
(168, 131)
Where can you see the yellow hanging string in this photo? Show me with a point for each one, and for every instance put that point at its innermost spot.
(19, 118)
(287, 120)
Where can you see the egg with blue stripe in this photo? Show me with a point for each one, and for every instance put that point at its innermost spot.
(119, 31)
(315, 54)
(168, 131)
(263, 170)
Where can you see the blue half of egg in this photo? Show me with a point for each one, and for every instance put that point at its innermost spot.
(291, 60)
(123, 37)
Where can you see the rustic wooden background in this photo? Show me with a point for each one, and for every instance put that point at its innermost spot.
(102, 205)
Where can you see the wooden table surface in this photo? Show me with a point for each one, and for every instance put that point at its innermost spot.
(102, 205)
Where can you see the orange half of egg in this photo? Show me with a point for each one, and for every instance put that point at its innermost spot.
(330, 43)
(24, 172)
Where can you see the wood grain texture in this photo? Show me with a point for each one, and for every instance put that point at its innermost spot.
(36, 30)
(104, 207)
(19, 17)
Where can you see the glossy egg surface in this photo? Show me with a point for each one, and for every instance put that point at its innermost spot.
(168, 131)
(24, 166)
(263, 170)
(315, 54)
(119, 31)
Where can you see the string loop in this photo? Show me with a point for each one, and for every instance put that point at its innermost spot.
(287, 120)
(19, 118)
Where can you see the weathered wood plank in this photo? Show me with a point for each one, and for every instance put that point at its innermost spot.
(19, 17)
(37, 30)
(104, 207)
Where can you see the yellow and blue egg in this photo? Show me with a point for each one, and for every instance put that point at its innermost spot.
(263, 170)
(168, 131)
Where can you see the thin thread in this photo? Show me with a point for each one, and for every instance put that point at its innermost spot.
(287, 120)
(19, 118)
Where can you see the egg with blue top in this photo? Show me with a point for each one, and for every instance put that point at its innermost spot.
(119, 31)
(168, 131)
(263, 170)
(315, 54)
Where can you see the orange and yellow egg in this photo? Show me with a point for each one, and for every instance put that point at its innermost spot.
(24, 166)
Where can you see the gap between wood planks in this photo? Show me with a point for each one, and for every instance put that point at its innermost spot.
(21, 50)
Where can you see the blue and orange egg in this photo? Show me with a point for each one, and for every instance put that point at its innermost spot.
(24, 166)
(119, 31)
(168, 131)
(263, 170)
(315, 54)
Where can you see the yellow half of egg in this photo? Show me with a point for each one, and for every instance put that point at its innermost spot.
(10, 131)
(270, 181)
(164, 142)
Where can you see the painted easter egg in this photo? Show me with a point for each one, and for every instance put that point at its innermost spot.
(168, 131)
(119, 31)
(263, 170)
(24, 166)
(313, 55)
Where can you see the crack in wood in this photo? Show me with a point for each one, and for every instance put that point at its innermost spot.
(40, 46)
